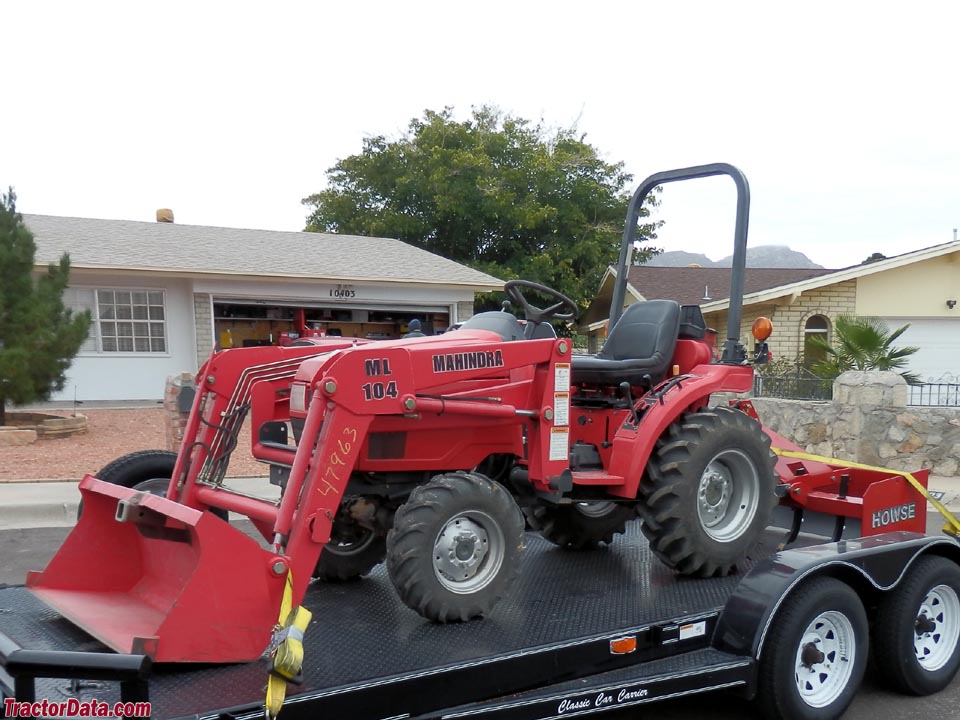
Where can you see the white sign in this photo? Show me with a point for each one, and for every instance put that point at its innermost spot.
(559, 443)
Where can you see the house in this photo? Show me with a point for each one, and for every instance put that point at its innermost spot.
(919, 288)
(163, 295)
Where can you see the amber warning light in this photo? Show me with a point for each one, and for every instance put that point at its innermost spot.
(762, 328)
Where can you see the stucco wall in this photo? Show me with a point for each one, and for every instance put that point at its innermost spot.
(134, 376)
(917, 290)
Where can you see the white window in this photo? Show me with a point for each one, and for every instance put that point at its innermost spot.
(124, 320)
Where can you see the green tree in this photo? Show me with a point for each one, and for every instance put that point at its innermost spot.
(38, 335)
(863, 344)
(495, 192)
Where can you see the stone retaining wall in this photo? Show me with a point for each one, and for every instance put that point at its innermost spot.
(178, 397)
(24, 428)
(868, 421)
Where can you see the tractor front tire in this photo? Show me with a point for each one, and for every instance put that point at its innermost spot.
(353, 551)
(455, 547)
(709, 492)
(581, 525)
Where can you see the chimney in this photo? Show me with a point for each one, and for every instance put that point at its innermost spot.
(706, 294)
(164, 215)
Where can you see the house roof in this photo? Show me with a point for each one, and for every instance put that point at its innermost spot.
(687, 284)
(197, 249)
(693, 285)
(832, 277)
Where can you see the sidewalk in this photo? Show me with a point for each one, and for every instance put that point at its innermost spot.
(54, 504)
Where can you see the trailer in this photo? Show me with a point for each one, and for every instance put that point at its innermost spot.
(438, 467)
(579, 635)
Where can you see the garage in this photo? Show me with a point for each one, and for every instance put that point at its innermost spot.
(250, 322)
(938, 360)
(189, 290)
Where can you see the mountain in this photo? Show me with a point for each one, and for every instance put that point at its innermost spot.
(761, 256)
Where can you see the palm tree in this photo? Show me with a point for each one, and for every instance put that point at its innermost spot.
(863, 344)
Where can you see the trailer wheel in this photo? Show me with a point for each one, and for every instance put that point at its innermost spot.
(813, 660)
(709, 492)
(581, 525)
(353, 551)
(917, 628)
(455, 547)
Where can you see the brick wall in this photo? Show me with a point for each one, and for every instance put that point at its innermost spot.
(203, 322)
(464, 310)
(790, 318)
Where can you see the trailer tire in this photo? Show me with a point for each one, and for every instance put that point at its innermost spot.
(455, 547)
(709, 492)
(813, 660)
(581, 525)
(916, 631)
(347, 557)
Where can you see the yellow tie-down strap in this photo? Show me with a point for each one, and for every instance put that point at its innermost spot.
(952, 527)
(286, 654)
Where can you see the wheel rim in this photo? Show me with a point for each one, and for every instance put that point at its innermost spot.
(728, 495)
(468, 552)
(596, 508)
(154, 486)
(937, 628)
(825, 659)
(352, 542)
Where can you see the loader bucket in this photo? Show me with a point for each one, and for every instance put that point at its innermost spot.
(144, 574)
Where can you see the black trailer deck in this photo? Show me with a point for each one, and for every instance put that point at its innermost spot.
(368, 655)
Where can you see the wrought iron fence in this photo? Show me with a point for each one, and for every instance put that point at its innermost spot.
(796, 384)
(935, 395)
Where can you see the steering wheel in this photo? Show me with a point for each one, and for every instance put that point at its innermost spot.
(514, 290)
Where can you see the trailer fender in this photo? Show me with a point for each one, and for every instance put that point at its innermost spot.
(878, 562)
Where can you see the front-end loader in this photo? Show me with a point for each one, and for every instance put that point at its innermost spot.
(436, 454)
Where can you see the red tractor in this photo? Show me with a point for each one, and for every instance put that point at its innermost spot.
(434, 453)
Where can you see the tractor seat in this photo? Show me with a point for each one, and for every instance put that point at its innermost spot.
(641, 343)
(502, 323)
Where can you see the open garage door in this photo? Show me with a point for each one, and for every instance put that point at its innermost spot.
(242, 323)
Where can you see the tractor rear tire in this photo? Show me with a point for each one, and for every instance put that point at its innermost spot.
(146, 470)
(581, 525)
(353, 551)
(152, 468)
(455, 547)
(133, 468)
(709, 493)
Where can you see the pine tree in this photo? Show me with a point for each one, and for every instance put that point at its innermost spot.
(38, 336)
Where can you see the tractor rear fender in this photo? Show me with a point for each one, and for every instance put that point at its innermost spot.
(633, 444)
(871, 566)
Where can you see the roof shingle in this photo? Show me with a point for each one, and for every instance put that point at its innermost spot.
(692, 285)
(175, 248)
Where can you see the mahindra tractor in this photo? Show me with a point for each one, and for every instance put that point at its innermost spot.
(436, 455)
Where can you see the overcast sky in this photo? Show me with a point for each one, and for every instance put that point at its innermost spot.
(844, 116)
